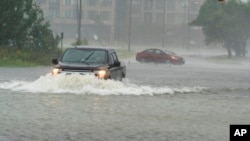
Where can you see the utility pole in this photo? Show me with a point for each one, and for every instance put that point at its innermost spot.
(188, 28)
(129, 26)
(79, 18)
(163, 24)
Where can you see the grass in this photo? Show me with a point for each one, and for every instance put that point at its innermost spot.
(19, 59)
(11, 57)
(224, 59)
(125, 54)
(16, 63)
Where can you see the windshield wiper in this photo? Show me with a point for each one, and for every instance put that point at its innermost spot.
(85, 59)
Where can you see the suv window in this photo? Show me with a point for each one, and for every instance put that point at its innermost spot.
(114, 57)
(85, 55)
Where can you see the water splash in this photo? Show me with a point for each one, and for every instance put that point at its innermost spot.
(89, 84)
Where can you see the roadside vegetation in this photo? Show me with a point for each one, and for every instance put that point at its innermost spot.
(226, 23)
(223, 60)
(25, 38)
(123, 53)
(11, 56)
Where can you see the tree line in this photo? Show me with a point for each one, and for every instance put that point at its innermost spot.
(23, 27)
(225, 22)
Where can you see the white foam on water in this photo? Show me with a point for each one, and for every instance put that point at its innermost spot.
(89, 84)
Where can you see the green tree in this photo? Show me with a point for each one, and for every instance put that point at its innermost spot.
(22, 25)
(225, 22)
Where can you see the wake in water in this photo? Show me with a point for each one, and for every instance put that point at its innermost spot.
(89, 84)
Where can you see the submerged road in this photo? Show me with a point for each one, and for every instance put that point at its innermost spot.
(155, 103)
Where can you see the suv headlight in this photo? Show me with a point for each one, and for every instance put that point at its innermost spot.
(56, 71)
(101, 74)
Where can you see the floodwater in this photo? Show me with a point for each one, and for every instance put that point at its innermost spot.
(155, 102)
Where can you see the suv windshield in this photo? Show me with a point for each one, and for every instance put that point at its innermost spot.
(85, 56)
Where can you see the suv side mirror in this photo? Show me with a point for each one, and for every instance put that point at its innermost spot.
(54, 61)
(117, 64)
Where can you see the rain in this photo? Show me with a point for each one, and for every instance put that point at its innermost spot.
(184, 70)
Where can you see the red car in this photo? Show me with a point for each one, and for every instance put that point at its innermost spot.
(159, 56)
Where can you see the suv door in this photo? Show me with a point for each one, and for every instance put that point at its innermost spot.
(115, 71)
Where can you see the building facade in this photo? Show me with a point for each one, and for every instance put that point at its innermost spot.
(169, 20)
(176, 11)
(97, 17)
(109, 19)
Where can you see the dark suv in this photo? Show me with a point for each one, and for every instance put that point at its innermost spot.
(99, 61)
